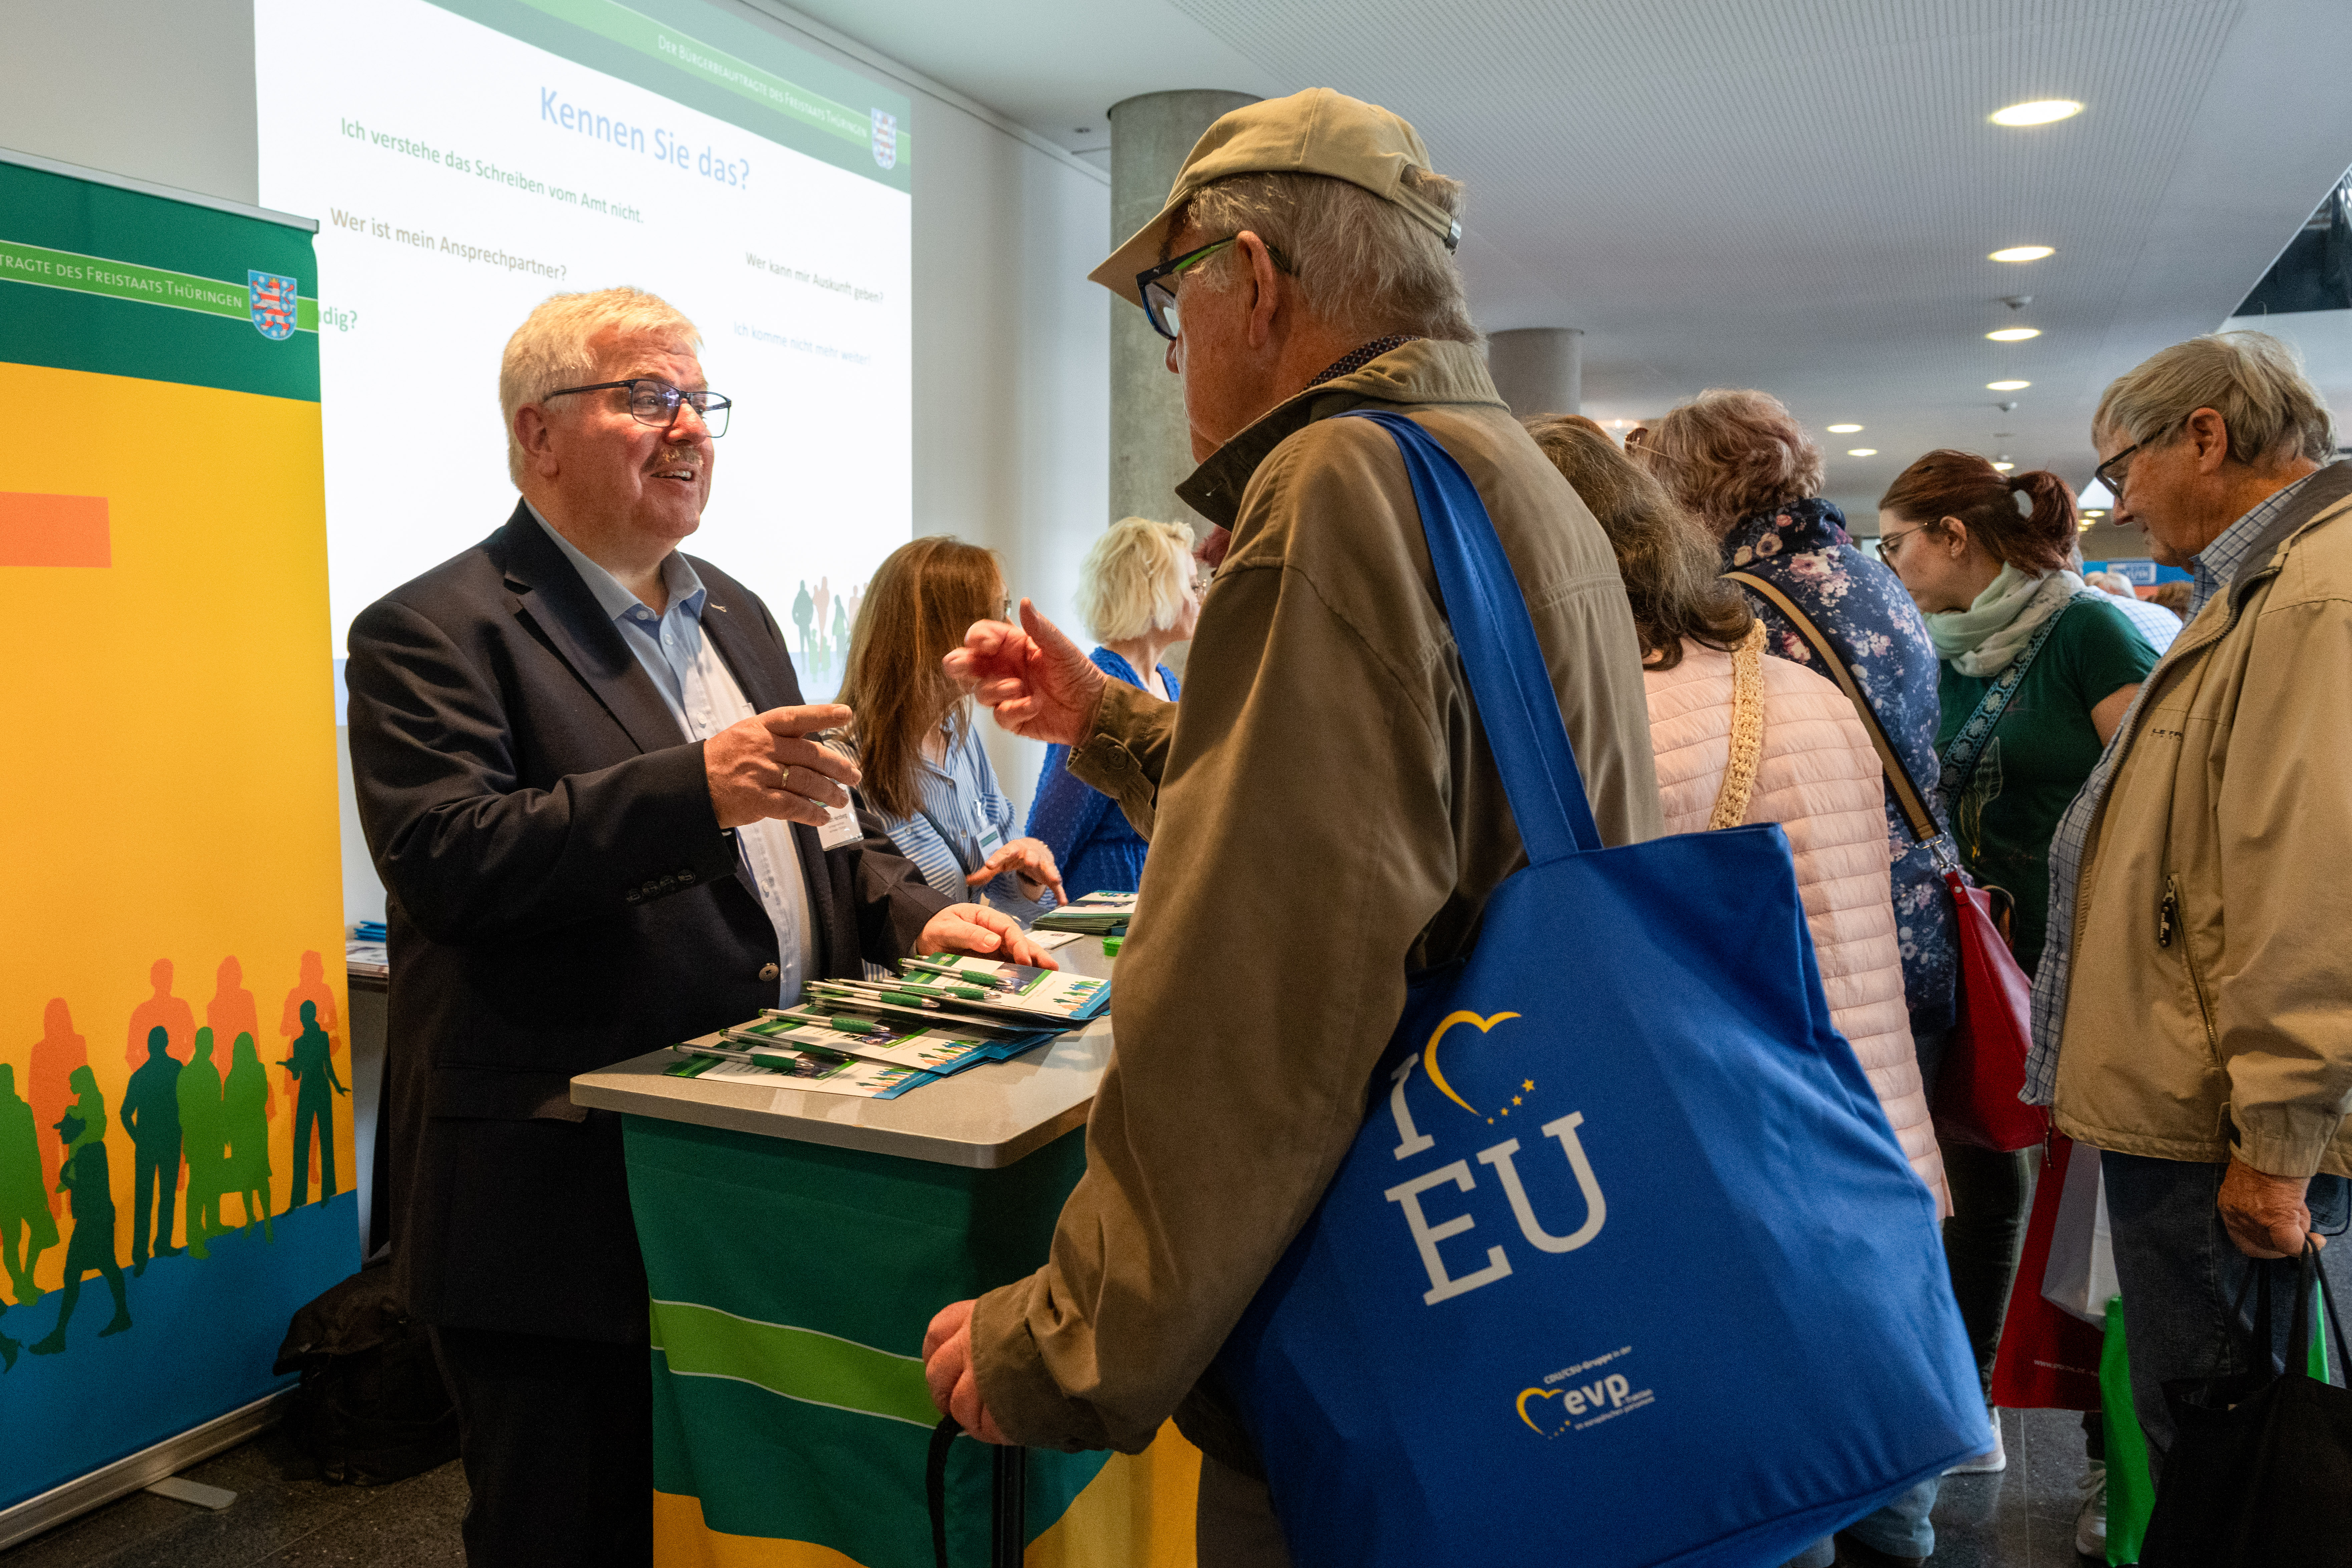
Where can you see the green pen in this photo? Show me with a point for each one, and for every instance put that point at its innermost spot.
(846, 1025)
(940, 988)
(959, 976)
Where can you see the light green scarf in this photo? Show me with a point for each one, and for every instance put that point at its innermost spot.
(1983, 640)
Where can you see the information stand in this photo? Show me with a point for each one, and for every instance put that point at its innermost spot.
(797, 1244)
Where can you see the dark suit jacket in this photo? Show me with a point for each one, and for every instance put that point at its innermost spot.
(561, 896)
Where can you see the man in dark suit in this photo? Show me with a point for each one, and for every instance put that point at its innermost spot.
(584, 769)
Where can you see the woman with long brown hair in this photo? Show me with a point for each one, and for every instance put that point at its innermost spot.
(926, 772)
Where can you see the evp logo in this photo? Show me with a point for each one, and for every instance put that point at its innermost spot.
(1500, 1157)
(1550, 1412)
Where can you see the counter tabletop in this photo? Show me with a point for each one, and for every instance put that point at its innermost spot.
(982, 1117)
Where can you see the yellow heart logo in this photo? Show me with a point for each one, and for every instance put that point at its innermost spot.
(1527, 1394)
(1428, 1053)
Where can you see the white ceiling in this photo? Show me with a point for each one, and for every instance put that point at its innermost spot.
(1795, 195)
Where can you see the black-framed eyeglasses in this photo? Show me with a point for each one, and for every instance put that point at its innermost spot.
(2116, 470)
(1888, 543)
(1157, 286)
(657, 403)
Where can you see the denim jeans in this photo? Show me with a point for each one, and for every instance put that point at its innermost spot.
(1900, 1529)
(2180, 1274)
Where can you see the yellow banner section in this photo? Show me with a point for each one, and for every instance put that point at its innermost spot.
(1135, 1513)
(167, 812)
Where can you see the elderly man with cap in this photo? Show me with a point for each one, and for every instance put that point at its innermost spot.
(1325, 751)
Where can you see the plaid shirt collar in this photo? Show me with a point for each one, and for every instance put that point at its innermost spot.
(1350, 362)
(2218, 564)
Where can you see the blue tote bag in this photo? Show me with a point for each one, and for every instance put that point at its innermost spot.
(1626, 1266)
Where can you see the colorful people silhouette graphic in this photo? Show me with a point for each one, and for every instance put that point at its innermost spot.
(54, 1055)
(151, 1114)
(178, 1020)
(233, 1012)
(27, 1228)
(246, 1106)
(204, 1139)
(86, 1182)
(313, 1067)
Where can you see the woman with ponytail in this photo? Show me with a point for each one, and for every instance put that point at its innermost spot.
(2037, 670)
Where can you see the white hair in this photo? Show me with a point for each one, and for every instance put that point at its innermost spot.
(1132, 582)
(1361, 262)
(2256, 383)
(551, 348)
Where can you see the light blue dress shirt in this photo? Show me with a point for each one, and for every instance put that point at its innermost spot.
(959, 800)
(702, 696)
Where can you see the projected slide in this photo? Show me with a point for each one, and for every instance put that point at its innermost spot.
(467, 158)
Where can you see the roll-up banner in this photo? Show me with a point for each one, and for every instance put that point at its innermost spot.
(176, 1140)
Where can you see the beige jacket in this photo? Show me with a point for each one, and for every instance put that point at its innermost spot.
(1325, 816)
(2211, 981)
(1820, 779)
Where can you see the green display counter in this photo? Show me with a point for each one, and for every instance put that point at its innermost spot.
(796, 1245)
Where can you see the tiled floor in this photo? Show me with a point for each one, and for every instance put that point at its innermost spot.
(2023, 1518)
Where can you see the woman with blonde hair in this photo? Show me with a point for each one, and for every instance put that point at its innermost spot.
(1740, 738)
(1139, 594)
(926, 772)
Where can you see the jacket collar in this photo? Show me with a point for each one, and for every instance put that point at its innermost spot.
(551, 596)
(1424, 371)
(2319, 492)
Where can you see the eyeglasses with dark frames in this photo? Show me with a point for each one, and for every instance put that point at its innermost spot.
(1157, 285)
(657, 403)
(2116, 470)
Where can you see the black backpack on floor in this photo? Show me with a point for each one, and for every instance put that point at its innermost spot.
(372, 1407)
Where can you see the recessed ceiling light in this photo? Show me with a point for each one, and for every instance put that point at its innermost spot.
(2014, 334)
(2023, 253)
(1862, 451)
(2041, 111)
(1842, 429)
(2096, 512)
(2007, 385)
(2003, 467)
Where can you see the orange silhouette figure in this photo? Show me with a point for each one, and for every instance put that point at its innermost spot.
(54, 1055)
(163, 1011)
(233, 1012)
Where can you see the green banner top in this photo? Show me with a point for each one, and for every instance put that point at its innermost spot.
(121, 282)
(712, 64)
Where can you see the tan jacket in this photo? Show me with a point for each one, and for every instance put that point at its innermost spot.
(1325, 816)
(2211, 981)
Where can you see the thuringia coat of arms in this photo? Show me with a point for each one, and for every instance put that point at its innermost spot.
(273, 303)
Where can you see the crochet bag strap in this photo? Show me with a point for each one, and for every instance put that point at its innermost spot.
(1747, 731)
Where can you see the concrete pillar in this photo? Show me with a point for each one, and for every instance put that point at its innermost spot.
(1150, 453)
(1538, 370)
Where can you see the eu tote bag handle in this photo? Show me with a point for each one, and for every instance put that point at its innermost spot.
(1511, 683)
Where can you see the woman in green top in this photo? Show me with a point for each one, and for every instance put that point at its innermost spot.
(2037, 672)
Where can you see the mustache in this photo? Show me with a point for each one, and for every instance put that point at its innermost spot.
(678, 458)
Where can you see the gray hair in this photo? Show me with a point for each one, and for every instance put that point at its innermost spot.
(2256, 383)
(551, 348)
(1361, 263)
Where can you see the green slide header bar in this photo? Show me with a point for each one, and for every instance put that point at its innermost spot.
(646, 35)
(48, 269)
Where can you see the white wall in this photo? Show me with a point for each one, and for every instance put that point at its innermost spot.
(1011, 344)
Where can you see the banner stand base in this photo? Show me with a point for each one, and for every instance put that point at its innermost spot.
(135, 1471)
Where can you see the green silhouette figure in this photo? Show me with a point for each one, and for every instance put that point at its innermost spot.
(313, 1067)
(89, 1108)
(27, 1228)
(88, 1185)
(204, 1139)
(840, 627)
(803, 610)
(151, 1114)
(246, 1114)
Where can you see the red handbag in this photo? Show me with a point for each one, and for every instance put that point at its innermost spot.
(1974, 1097)
(2049, 1359)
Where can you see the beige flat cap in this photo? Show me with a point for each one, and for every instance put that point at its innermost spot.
(1317, 131)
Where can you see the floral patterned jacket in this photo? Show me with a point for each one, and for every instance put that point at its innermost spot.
(1804, 551)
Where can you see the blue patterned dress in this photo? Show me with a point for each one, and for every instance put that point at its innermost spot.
(1092, 842)
(1860, 606)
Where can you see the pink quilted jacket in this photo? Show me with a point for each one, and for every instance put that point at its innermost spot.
(1820, 780)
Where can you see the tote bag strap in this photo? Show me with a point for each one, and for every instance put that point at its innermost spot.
(1898, 777)
(1510, 682)
(1747, 731)
(1959, 759)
